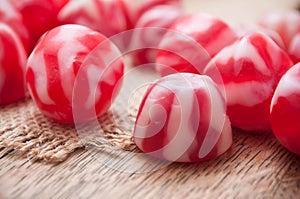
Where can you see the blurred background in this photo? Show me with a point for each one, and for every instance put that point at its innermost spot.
(239, 11)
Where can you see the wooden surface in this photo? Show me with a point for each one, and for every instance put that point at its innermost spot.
(255, 167)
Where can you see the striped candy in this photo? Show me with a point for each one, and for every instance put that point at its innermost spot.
(13, 18)
(294, 48)
(136, 8)
(285, 110)
(68, 76)
(287, 24)
(107, 17)
(12, 66)
(182, 118)
(39, 16)
(159, 17)
(245, 30)
(250, 69)
(208, 32)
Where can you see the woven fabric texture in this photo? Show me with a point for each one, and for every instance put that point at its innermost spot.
(24, 129)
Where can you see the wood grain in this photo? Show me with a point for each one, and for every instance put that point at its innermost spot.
(255, 167)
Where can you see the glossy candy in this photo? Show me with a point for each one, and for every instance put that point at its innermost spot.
(12, 66)
(107, 17)
(250, 69)
(294, 47)
(159, 17)
(13, 18)
(183, 118)
(207, 31)
(136, 8)
(285, 110)
(286, 24)
(39, 16)
(242, 31)
(69, 78)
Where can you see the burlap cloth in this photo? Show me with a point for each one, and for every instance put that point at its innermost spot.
(25, 130)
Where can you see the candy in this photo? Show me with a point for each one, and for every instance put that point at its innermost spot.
(285, 110)
(159, 17)
(294, 48)
(107, 17)
(183, 118)
(11, 17)
(12, 66)
(287, 24)
(136, 8)
(209, 32)
(39, 16)
(250, 70)
(68, 75)
(242, 31)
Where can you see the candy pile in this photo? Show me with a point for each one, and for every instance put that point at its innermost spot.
(213, 75)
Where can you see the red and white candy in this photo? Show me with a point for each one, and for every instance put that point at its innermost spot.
(183, 118)
(286, 24)
(134, 9)
(107, 17)
(12, 66)
(285, 110)
(39, 16)
(294, 47)
(250, 70)
(148, 39)
(70, 78)
(13, 18)
(209, 32)
(242, 31)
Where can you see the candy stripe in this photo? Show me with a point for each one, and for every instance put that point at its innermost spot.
(204, 31)
(217, 118)
(288, 85)
(285, 110)
(10, 16)
(67, 54)
(286, 24)
(86, 8)
(65, 73)
(40, 78)
(250, 68)
(247, 93)
(95, 13)
(182, 138)
(191, 132)
(294, 48)
(12, 66)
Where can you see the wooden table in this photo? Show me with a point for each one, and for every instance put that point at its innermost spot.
(255, 167)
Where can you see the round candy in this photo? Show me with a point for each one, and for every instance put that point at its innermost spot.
(250, 69)
(136, 8)
(207, 31)
(183, 118)
(287, 24)
(294, 48)
(12, 66)
(107, 17)
(70, 78)
(159, 17)
(39, 16)
(285, 110)
(11, 17)
(245, 30)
